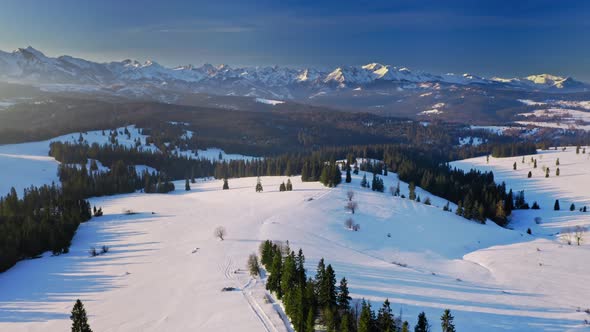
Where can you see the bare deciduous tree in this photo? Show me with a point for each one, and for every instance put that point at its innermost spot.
(351, 206)
(350, 195)
(349, 223)
(220, 232)
(579, 234)
(567, 236)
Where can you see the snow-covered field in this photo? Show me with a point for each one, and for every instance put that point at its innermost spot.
(26, 164)
(165, 270)
(269, 101)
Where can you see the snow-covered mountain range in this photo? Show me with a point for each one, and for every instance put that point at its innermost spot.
(28, 65)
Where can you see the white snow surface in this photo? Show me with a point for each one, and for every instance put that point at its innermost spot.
(151, 280)
(269, 101)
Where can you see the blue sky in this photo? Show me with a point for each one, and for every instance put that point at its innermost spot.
(483, 37)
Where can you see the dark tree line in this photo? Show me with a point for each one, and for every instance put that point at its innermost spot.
(45, 218)
(119, 179)
(513, 149)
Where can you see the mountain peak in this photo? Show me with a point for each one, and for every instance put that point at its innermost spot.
(30, 50)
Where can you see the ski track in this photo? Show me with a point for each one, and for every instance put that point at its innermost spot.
(228, 272)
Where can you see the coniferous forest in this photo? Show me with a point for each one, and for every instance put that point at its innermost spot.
(324, 303)
(45, 218)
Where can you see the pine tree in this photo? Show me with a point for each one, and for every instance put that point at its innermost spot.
(422, 325)
(273, 282)
(535, 164)
(412, 188)
(79, 319)
(310, 321)
(345, 323)
(557, 172)
(557, 162)
(405, 326)
(289, 185)
(366, 320)
(556, 205)
(226, 185)
(514, 166)
(447, 321)
(530, 174)
(385, 321)
(282, 187)
(397, 190)
(348, 176)
(459, 211)
(364, 182)
(547, 172)
(572, 207)
(343, 300)
(327, 288)
(187, 185)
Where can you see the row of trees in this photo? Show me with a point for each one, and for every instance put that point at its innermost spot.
(422, 166)
(319, 301)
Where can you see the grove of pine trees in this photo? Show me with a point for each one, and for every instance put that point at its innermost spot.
(45, 218)
(321, 301)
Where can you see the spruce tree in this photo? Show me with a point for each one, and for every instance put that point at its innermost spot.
(405, 326)
(385, 321)
(343, 300)
(187, 185)
(364, 182)
(530, 174)
(288, 274)
(226, 184)
(348, 176)
(412, 189)
(422, 325)
(310, 321)
(366, 320)
(273, 282)
(514, 166)
(447, 321)
(289, 185)
(327, 288)
(572, 207)
(282, 187)
(557, 172)
(557, 162)
(345, 323)
(79, 319)
(556, 205)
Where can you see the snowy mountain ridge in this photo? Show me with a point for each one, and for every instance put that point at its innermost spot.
(29, 65)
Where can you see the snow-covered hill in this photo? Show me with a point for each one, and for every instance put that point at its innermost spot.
(165, 269)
